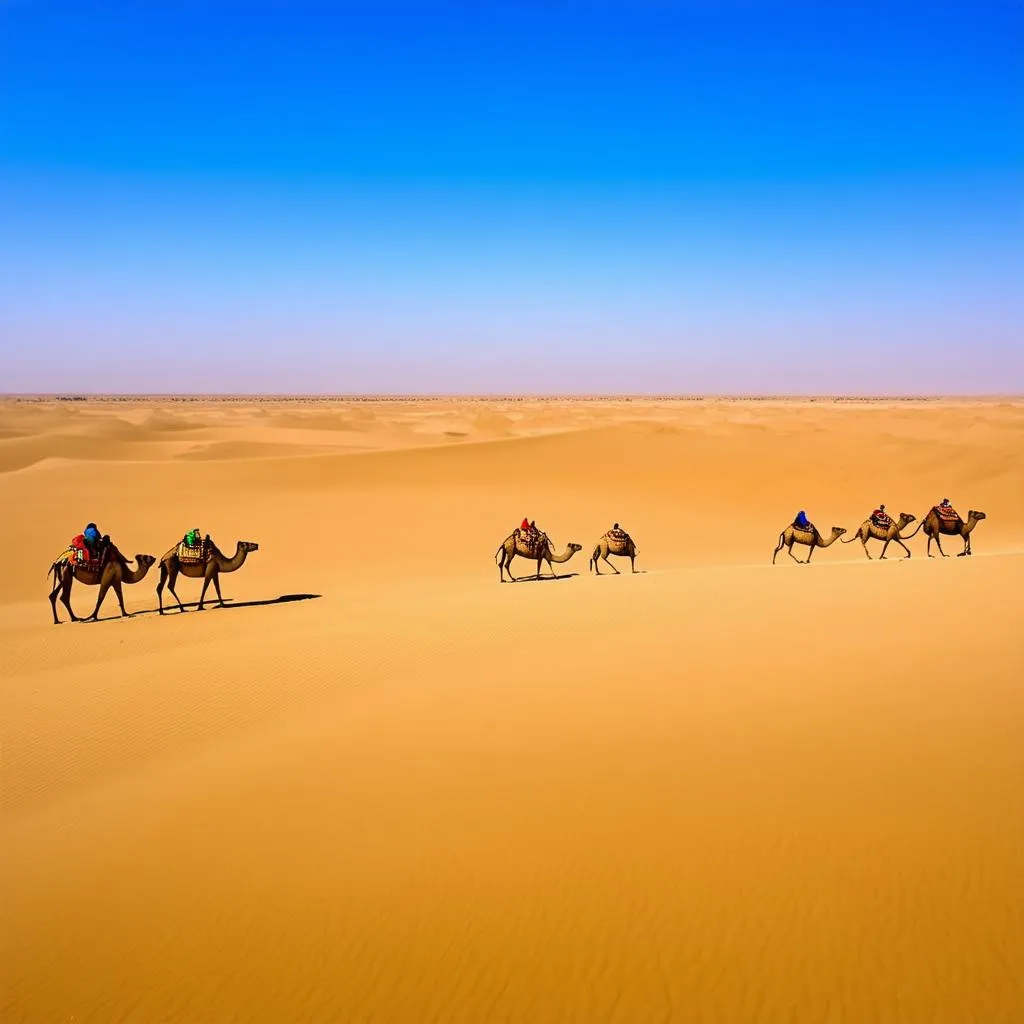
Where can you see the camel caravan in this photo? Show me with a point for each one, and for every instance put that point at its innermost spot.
(941, 520)
(95, 560)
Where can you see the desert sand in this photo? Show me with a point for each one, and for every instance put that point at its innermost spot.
(717, 790)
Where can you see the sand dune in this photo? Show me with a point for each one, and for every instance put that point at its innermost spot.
(714, 791)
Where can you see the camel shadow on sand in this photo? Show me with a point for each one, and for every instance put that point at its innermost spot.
(228, 605)
(542, 579)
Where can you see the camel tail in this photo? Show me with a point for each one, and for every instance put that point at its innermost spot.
(848, 540)
(907, 536)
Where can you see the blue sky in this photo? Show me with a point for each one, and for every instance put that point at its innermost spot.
(558, 196)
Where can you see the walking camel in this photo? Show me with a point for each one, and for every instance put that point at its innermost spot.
(810, 537)
(869, 530)
(615, 542)
(112, 572)
(213, 563)
(537, 548)
(933, 525)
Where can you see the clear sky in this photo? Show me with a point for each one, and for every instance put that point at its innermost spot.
(542, 196)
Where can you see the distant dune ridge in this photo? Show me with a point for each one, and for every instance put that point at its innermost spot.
(718, 790)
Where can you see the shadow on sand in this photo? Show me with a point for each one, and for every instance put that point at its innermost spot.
(542, 579)
(211, 605)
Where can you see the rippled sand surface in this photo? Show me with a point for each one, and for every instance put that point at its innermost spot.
(381, 786)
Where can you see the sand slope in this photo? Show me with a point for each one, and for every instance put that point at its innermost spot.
(715, 791)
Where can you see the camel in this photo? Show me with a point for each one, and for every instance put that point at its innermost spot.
(868, 530)
(209, 570)
(934, 525)
(113, 572)
(614, 542)
(794, 535)
(516, 543)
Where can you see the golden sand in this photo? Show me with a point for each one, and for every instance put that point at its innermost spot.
(715, 791)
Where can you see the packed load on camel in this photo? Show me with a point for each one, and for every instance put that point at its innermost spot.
(617, 533)
(946, 511)
(87, 548)
(881, 518)
(528, 533)
(192, 548)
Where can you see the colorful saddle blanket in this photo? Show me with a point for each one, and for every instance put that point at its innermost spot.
(883, 522)
(809, 528)
(947, 514)
(619, 535)
(531, 540)
(189, 555)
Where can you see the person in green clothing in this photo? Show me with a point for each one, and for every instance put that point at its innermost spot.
(194, 538)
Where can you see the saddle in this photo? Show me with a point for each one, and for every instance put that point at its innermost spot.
(619, 535)
(78, 554)
(947, 514)
(883, 523)
(188, 555)
(532, 540)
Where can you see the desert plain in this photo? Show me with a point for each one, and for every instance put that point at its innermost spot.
(714, 791)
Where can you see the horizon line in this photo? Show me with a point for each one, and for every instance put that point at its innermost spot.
(368, 396)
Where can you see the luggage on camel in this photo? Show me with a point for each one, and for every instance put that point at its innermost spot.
(881, 518)
(87, 548)
(617, 533)
(192, 548)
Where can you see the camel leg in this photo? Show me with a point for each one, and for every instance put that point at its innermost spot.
(901, 544)
(65, 594)
(53, 598)
(160, 587)
(202, 593)
(789, 548)
(216, 586)
(632, 563)
(779, 548)
(938, 544)
(807, 560)
(104, 587)
(172, 578)
(864, 543)
(614, 570)
(507, 563)
(120, 599)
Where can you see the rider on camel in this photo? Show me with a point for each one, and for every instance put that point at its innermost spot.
(801, 522)
(89, 546)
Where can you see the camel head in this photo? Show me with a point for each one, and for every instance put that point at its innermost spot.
(574, 547)
(976, 516)
(906, 517)
(248, 545)
(838, 531)
(145, 561)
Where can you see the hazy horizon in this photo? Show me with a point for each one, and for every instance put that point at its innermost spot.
(665, 199)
